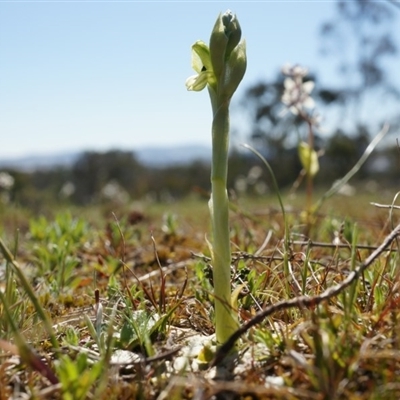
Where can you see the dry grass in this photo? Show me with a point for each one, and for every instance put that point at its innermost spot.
(152, 274)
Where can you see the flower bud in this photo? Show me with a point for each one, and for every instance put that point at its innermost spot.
(308, 158)
(224, 38)
(218, 43)
(221, 66)
(235, 70)
(232, 31)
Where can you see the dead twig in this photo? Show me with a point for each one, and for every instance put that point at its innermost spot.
(304, 301)
(335, 245)
(385, 206)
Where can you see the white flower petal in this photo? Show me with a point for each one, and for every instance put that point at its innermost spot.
(308, 102)
(287, 69)
(308, 86)
(197, 82)
(289, 83)
(298, 70)
(191, 81)
(197, 64)
(287, 98)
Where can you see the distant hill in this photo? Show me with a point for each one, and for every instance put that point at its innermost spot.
(162, 156)
(150, 156)
(35, 162)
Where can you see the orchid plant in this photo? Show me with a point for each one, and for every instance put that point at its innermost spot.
(220, 67)
(297, 99)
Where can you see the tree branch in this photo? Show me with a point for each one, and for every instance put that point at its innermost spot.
(304, 301)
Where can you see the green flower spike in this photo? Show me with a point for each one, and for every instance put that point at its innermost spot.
(221, 68)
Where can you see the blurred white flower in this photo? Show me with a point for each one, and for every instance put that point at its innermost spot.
(6, 181)
(115, 192)
(67, 190)
(294, 70)
(254, 174)
(296, 95)
(261, 188)
(241, 184)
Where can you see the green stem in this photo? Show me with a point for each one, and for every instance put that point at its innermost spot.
(225, 317)
(30, 292)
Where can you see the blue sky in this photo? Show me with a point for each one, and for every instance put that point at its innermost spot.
(110, 74)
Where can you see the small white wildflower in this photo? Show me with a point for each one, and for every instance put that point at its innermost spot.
(254, 174)
(6, 181)
(114, 191)
(296, 95)
(294, 70)
(67, 190)
(241, 184)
